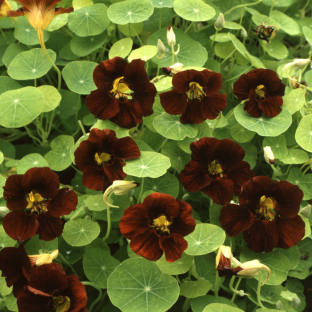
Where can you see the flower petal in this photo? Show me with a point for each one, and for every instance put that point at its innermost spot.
(220, 190)
(28, 301)
(203, 150)
(212, 105)
(193, 113)
(126, 148)
(173, 102)
(214, 82)
(114, 171)
(49, 227)
(181, 81)
(95, 179)
(271, 106)
(173, 246)
(14, 193)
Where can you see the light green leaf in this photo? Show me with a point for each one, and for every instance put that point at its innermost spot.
(232, 25)
(150, 164)
(107, 124)
(198, 304)
(12, 51)
(51, 97)
(58, 22)
(277, 144)
(259, 19)
(89, 21)
(31, 161)
(278, 3)
(80, 232)
(292, 254)
(295, 157)
(241, 134)
(95, 203)
(162, 3)
(264, 126)
(10, 302)
(130, 11)
(5, 240)
(180, 266)
(195, 289)
(144, 53)
(304, 133)
(30, 64)
(307, 34)
(143, 287)
(238, 45)
(1, 157)
(121, 48)
(7, 84)
(294, 100)
(78, 4)
(4, 289)
(220, 307)
(98, 264)
(305, 249)
(79, 76)
(205, 239)
(20, 107)
(132, 29)
(220, 37)
(286, 23)
(303, 181)
(275, 49)
(255, 61)
(37, 246)
(162, 83)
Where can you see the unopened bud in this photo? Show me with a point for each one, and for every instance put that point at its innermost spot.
(286, 69)
(4, 8)
(306, 211)
(299, 63)
(199, 26)
(252, 268)
(279, 305)
(220, 22)
(244, 33)
(161, 47)
(175, 68)
(268, 155)
(3, 211)
(224, 255)
(295, 302)
(171, 38)
(43, 258)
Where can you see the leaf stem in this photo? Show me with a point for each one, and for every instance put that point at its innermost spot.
(217, 285)
(141, 191)
(259, 293)
(186, 305)
(109, 223)
(98, 298)
(236, 286)
(67, 263)
(241, 6)
(189, 27)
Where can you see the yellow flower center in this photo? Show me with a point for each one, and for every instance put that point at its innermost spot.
(61, 303)
(161, 224)
(260, 92)
(195, 91)
(266, 209)
(215, 168)
(36, 203)
(102, 158)
(119, 88)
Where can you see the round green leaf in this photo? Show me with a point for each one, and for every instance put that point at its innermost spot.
(121, 48)
(177, 267)
(275, 49)
(89, 21)
(295, 157)
(4, 289)
(205, 239)
(304, 133)
(107, 124)
(51, 97)
(30, 64)
(20, 107)
(130, 11)
(170, 127)
(83, 46)
(264, 126)
(199, 303)
(162, 3)
(98, 264)
(143, 287)
(281, 3)
(95, 203)
(38, 246)
(11, 52)
(150, 164)
(220, 307)
(303, 181)
(294, 100)
(307, 34)
(195, 289)
(232, 25)
(58, 21)
(80, 232)
(277, 144)
(162, 83)
(286, 23)
(241, 134)
(132, 29)
(238, 45)
(79, 76)
(144, 53)
(5, 240)
(7, 84)
(221, 37)
(194, 10)
(11, 302)
(31, 161)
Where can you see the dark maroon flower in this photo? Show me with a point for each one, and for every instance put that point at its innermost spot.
(157, 226)
(267, 215)
(50, 289)
(264, 91)
(37, 204)
(101, 156)
(125, 93)
(217, 169)
(194, 96)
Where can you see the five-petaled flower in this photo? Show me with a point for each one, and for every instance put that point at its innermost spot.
(39, 14)
(37, 204)
(217, 169)
(125, 93)
(264, 91)
(157, 226)
(194, 96)
(101, 156)
(267, 215)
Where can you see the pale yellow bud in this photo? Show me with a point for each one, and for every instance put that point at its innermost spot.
(161, 47)
(268, 155)
(252, 268)
(224, 251)
(220, 22)
(176, 68)
(43, 258)
(171, 38)
(299, 63)
(306, 211)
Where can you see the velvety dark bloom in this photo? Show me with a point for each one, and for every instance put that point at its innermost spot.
(267, 215)
(37, 204)
(194, 96)
(50, 289)
(157, 226)
(101, 156)
(217, 169)
(264, 91)
(125, 93)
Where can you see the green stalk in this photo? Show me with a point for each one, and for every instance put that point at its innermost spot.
(109, 223)
(259, 293)
(98, 298)
(236, 286)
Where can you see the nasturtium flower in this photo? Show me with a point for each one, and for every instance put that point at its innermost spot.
(217, 169)
(36, 204)
(4, 7)
(101, 158)
(264, 91)
(157, 226)
(267, 215)
(50, 289)
(39, 14)
(194, 96)
(124, 92)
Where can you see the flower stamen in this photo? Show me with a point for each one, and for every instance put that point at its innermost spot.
(260, 92)
(195, 91)
(119, 88)
(61, 303)
(102, 158)
(215, 168)
(36, 203)
(266, 209)
(161, 224)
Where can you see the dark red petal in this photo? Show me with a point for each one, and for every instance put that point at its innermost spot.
(29, 302)
(14, 193)
(43, 180)
(84, 155)
(203, 150)
(63, 203)
(63, 10)
(271, 106)
(173, 102)
(235, 219)
(181, 81)
(126, 148)
(135, 218)
(20, 226)
(103, 137)
(184, 224)
(229, 153)
(135, 75)
(145, 97)
(251, 106)
(262, 236)
(114, 171)
(220, 190)
(194, 176)
(173, 246)
(49, 227)
(95, 179)
(15, 13)
(269, 79)
(214, 82)
(290, 231)
(244, 84)
(145, 243)
(212, 105)
(193, 113)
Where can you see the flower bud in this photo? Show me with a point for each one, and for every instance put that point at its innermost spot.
(299, 63)
(175, 68)
(252, 268)
(306, 211)
(43, 258)
(171, 38)
(161, 47)
(268, 155)
(224, 256)
(295, 302)
(279, 305)
(4, 8)
(244, 33)
(220, 22)
(3, 211)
